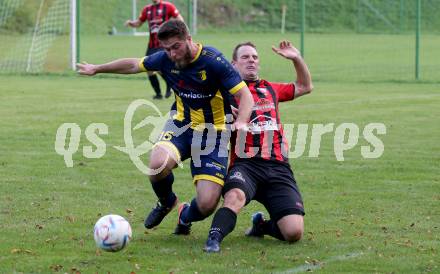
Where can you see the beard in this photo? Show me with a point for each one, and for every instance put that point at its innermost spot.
(186, 59)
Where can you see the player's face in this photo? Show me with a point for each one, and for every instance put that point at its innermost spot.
(156, 2)
(247, 63)
(179, 51)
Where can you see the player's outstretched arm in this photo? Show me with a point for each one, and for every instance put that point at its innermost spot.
(244, 109)
(120, 66)
(133, 23)
(304, 83)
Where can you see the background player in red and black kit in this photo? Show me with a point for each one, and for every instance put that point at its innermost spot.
(259, 167)
(155, 14)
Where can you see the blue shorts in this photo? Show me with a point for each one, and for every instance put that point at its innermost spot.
(207, 149)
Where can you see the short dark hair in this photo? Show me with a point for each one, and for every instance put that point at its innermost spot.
(173, 28)
(237, 47)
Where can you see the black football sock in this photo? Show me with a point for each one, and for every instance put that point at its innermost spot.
(164, 191)
(168, 90)
(155, 84)
(271, 228)
(224, 222)
(192, 213)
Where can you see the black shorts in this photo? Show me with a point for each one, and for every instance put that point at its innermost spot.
(269, 182)
(151, 51)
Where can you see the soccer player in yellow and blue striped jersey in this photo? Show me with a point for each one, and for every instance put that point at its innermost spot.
(202, 80)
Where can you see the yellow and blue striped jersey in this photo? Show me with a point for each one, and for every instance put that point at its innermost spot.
(202, 89)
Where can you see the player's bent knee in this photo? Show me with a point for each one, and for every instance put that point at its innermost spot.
(292, 235)
(235, 199)
(160, 170)
(291, 227)
(161, 160)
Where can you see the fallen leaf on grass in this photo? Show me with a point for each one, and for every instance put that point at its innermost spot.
(19, 250)
(56, 267)
(359, 234)
(16, 250)
(70, 219)
(75, 270)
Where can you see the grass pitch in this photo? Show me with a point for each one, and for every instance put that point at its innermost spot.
(363, 215)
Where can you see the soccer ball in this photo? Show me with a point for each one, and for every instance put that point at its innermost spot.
(112, 233)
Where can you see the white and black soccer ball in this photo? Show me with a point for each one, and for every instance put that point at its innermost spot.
(112, 233)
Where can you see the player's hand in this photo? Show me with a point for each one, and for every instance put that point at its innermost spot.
(133, 23)
(239, 126)
(86, 69)
(234, 112)
(287, 50)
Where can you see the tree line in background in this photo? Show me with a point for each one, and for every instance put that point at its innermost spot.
(362, 16)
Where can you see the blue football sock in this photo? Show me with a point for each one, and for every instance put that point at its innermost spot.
(164, 191)
(192, 213)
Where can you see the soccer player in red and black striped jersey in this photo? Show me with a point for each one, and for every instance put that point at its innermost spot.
(259, 167)
(155, 14)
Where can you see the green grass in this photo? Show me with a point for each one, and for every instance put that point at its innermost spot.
(335, 57)
(382, 212)
(331, 57)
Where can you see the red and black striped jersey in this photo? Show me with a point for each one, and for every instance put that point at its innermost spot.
(156, 14)
(265, 137)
